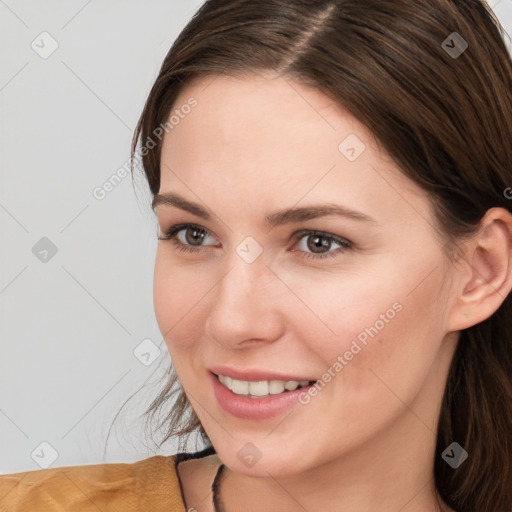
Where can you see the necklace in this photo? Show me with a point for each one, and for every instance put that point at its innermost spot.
(217, 502)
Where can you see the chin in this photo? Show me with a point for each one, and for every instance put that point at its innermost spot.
(262, 458)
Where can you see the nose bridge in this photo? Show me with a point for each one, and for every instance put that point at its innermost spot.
(243, 306)
(243, 283)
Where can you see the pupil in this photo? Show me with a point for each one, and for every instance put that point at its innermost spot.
(196, 238)
(318, 242)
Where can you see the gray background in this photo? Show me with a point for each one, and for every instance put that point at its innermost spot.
(78, 331)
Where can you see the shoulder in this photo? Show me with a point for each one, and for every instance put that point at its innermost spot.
(196, 474)
(148, 484)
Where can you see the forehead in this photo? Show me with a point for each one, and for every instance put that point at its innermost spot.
(258, 122)
(263, 104)
(280, 139)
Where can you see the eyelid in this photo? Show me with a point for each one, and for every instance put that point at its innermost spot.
(346, 245)
(296, 236)
(176, 228)
(338, 239)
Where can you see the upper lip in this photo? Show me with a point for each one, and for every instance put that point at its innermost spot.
(255, 375)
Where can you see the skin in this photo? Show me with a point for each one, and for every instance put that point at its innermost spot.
(366, 442)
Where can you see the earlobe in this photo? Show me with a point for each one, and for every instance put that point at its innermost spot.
(489, 259)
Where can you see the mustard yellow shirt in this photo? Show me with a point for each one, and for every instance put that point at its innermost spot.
(149, 485)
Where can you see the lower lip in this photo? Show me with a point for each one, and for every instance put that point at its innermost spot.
(254, 408)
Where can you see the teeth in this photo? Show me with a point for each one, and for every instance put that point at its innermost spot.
(260, 388)
(291, 385)
(240, 387)
(276, 386)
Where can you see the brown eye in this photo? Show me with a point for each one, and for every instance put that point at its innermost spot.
(319, 245)
(188, 235)
(194, 236)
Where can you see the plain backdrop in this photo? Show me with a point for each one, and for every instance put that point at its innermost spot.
(77, 326)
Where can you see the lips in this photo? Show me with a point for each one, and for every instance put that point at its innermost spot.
(257, 408)
(258, 375)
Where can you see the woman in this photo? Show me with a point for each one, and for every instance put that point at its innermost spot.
(332, 182)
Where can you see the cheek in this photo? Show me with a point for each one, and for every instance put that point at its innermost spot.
(380, 324)
(177, 295)
(347, 316)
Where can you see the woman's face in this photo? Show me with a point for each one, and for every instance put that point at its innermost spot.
(357, 300)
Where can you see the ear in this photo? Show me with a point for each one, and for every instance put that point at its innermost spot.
(485, 279)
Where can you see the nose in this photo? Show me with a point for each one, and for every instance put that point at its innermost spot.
(245, 305)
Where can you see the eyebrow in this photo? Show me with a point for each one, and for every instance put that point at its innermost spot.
(279, 217)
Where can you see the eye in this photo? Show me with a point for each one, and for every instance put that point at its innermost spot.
(312, 244)
(187, 237)
(321, 244)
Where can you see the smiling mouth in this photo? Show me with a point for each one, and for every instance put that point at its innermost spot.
(263, 388)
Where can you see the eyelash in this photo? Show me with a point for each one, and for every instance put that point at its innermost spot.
(171, 233)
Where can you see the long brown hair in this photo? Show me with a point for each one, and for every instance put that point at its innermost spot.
(441, 109)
